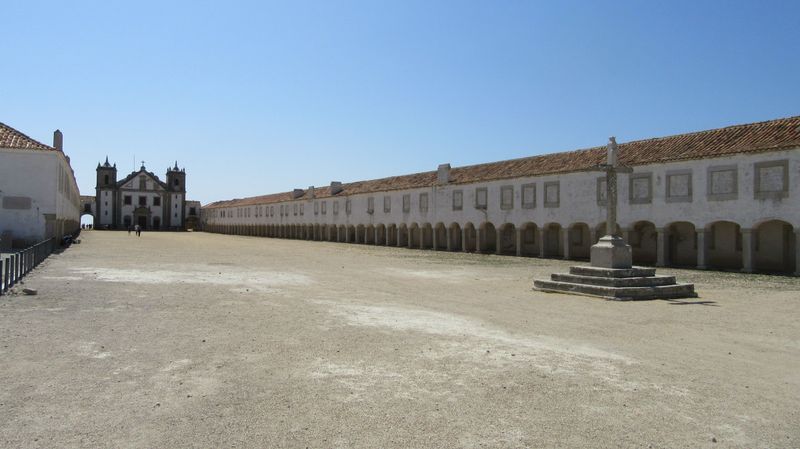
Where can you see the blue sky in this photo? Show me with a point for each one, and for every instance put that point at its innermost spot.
(260, 97)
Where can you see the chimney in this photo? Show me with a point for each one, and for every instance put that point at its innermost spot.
(297, 193)
(58, 140)
(311, 192)
(336, 187)
(443, 174)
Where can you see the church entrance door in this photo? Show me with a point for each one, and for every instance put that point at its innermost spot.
(141, 220)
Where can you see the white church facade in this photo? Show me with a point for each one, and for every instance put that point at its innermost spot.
(141, 198)
(726, 198)
(39, 197)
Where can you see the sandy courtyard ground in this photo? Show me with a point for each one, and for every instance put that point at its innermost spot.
(200, 340)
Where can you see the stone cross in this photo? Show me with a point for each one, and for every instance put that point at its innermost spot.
(611, 168)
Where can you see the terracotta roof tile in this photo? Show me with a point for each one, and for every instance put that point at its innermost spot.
(11, 138)
(749, 138)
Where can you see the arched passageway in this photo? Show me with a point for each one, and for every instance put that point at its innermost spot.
(578, 241)
(391, 235)
(643, 240)
(681, 244)
(488, 238)
(440, 237)
(530, 240)
(774, 249)
(551, 234)
(455, 237)
(341, 234)
(360, 234)
(402, 235)
(414, 237)
(600, 231)
(426, 236)
(470, 238)
(351, 234)
(380, 234)
(507, 240)
(723, 240)
(369, 235)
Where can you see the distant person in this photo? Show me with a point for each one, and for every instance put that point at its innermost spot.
(138, 231)
(129, 229)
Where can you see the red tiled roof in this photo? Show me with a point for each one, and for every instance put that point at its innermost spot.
(749, 138)
(11, 138)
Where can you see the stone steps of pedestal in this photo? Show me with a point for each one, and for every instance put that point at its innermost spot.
(647, 281)
(633, 272)
(618, 293)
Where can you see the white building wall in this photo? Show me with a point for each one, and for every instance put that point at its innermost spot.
(43, 177)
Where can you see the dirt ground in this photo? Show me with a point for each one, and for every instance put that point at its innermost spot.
(201, 340)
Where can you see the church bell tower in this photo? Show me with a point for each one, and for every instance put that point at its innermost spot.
(105, 199)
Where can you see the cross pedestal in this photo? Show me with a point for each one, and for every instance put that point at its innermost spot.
(612, 274)
(611, 252)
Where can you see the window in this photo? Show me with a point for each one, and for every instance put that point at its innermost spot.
(480, 198)
(157, 202)
(302, 208)
(406, 203)
(347, 207)
(640, 189)
(370, 205)
(176, 182)
(192, 211)
(316, 208)
(423, 202)
(143, 201)
(106, 179)
(294, 209)
(507, 197)
(529, 196)
(679, 186)
(324, 207)
(387, 204)
(722, 182)
(458, 199)
(552, 194)
(335, 208)
(771, 179)
(602, 191)
(127, 200)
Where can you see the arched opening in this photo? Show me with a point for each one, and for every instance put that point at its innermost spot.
(724, 245)
(87, 221)
(391, 235)
(470, 238)
(530, 240)
(341, 234)
(380, 235)
(508, 240)
(351, 234)
(427, 236)
(488, 238)
(369, 235)
(360, 233)
(643, 239)
(402, 235)
(413, 236)
(440, 234)
(579, 240)
(682, 244)
(774, 247)
(331, 233)
(552, 240)
(455, 237)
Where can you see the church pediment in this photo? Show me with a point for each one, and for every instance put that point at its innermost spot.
(142, 180)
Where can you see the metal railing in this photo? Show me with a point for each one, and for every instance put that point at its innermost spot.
(16, 265)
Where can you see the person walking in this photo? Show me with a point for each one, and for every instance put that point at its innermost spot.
(138, 231)
(129, 229)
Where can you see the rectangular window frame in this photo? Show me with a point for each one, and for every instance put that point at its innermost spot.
(481, 192)
(423, 202)
(669, 175)
(776, 194)
(387, 204)
(529, 200)
(557, 202)
(635, 176)
(407, 203)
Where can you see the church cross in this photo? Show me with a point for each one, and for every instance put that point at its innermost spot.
(612, 168)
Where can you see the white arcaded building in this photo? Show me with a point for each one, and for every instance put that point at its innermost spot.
(39, 197)
(726, 198)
